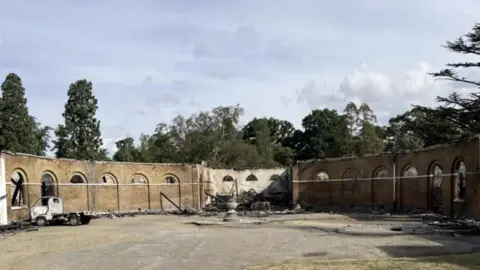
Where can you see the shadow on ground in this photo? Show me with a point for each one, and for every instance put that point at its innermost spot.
(422, 251)
(451, 239)
(429, 254)
(465, 233)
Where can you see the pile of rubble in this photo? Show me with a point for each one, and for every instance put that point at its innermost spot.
(247, 201)
(251, 201)
(16, 227)
(140, 212)
(251, 197)
(452, 224)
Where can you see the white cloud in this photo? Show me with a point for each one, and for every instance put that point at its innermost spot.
(109, 144)
(386, 93)
(150, 59)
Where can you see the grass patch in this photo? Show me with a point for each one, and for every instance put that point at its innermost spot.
(451, 262)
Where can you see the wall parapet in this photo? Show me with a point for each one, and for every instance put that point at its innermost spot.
(96, 161)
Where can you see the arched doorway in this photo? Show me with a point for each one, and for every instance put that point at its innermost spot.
(460, 181)
(172, 190)
(48, 187)
(436, 197)
(380, 175)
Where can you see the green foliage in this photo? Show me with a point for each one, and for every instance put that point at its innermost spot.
(458, 115)
(126, 151)
(158, 147)
(79, 137)
(321, 136)
(270, 138)
(19, 131)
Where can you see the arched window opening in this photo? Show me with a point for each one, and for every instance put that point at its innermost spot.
(461, 180)
(381, 173)
(322, 176)
(139, 179)
(436, 194)
(251, 177)
(17, 180)
(77, 179)
(437, 176)
(47, 186)
(350, 175)
(410, 172)
(275, 177)
(228, 178)
(171, 179)
(109, 179)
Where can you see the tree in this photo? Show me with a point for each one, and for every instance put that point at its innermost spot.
(158, 147)
(361, 131)
(103, 155)
(270, 136)
(370, 141)
(462, 113)
(126, 151)
(201, 136)
(263, 141)
(80, 137)
(279, 130)
(237, 154)
(321, 135)
(19, 131)
(41, 138)
(419, 127)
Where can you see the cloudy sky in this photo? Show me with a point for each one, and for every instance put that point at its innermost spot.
(151, 60)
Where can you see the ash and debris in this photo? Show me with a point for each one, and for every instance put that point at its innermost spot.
(16, 227)
(256, 206)
(251, 202)
(413, 221)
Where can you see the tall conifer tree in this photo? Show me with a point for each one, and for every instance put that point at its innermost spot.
(80, 137)
(19, 131)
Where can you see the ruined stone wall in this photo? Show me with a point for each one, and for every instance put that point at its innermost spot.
(368, 181)
(102, 186)
(117, 186)
(257, 179)
(222, 181)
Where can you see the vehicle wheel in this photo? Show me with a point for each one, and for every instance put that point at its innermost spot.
(73, 220)
(41, 221)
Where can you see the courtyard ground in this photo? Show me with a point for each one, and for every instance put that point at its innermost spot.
(166, 242)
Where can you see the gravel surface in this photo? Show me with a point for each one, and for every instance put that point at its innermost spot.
(166, 242)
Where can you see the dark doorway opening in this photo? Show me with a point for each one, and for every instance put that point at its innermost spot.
(48, 187)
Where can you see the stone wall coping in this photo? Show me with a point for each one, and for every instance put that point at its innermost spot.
(96, 162)
(133, 163)
(108, 185)
(391, 154)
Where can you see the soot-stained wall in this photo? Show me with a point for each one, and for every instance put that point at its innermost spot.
(442, 178)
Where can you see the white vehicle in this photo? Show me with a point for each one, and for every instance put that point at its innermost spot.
(51, 212)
